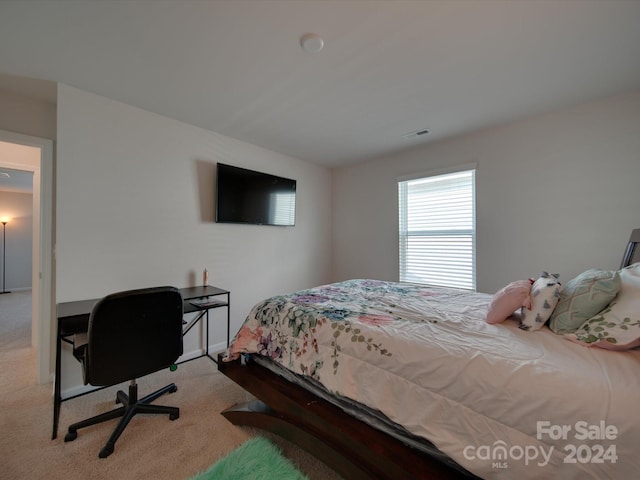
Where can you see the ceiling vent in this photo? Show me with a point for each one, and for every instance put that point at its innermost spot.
(416, 134)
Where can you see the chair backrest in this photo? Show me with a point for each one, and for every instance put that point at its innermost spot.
(632, 254)
(132, 334)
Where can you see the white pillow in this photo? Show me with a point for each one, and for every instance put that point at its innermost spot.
(617, 327)
(545, 294)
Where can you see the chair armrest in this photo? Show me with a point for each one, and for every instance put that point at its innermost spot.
(80, 341)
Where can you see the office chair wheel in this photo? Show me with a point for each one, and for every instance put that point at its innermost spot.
(121, 397)
(71, 436)
(174, 416)
(106, 451)
(173, 390)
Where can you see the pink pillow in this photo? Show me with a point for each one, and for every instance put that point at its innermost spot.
(509, 299)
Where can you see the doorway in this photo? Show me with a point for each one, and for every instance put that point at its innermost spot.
(16, 253)
(42, 259)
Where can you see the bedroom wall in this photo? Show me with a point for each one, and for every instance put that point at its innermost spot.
(555, 192)
(19, 233)
(26, 115)
(135, 208)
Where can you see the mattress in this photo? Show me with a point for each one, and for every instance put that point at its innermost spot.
(500, 401)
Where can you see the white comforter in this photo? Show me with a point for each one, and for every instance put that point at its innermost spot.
(500, 401)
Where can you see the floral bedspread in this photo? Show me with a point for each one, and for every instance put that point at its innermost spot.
(312, 332)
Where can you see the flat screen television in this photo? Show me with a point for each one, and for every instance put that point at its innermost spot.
(246, 196)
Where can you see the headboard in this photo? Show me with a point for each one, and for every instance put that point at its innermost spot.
(630, 253)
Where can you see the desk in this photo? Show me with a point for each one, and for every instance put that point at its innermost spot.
(73, 317)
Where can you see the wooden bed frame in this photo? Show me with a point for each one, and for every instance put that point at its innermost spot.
(349, 446)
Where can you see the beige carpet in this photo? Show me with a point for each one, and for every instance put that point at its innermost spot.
(151, 447)
(15, 320)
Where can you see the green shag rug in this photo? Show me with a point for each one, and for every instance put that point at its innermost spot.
(255, 459)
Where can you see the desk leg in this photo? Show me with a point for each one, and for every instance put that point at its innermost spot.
(206, 336)
(56, 389)
(206, 348)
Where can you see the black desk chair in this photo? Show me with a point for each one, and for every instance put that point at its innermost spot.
(131, 334)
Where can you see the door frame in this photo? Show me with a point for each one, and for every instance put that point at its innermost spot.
(43, 321)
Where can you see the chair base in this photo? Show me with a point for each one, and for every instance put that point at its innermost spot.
(130, 407)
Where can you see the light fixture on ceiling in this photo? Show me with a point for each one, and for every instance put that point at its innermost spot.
(311, 42)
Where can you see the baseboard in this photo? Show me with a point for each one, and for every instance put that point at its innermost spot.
(20, 289)
(213, 351)
(76, 391)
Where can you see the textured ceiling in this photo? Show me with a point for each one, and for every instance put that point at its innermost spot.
(388, 67)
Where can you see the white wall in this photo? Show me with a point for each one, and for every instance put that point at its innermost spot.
(29, 116)
(556, 192)
(19, 234)
(135, 195)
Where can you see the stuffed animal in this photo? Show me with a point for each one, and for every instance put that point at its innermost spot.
(545, 294)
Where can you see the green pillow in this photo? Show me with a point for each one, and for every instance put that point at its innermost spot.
(617, 327)
(582, 298)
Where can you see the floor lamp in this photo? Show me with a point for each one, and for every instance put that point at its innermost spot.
(4, 251)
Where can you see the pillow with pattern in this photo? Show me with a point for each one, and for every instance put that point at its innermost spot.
(617, 327)
(545, 294)
(582, 298)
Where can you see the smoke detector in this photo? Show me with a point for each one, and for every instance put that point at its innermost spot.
(311, 42)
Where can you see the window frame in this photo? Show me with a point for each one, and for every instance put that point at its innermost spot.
(402, 216)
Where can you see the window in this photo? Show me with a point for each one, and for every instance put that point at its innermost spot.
(437, 229)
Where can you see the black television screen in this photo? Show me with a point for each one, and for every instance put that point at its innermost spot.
(245, 196)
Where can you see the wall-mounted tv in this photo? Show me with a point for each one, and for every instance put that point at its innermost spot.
(246, 196)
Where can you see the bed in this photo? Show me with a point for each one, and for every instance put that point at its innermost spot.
(388, 380)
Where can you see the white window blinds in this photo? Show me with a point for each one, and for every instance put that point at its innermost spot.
(437, 230)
